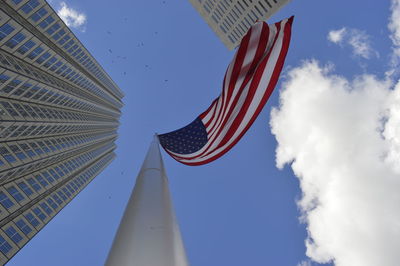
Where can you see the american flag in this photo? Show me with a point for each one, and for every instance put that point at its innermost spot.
(249, 81)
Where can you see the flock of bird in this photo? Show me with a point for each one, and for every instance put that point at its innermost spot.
(140, 44)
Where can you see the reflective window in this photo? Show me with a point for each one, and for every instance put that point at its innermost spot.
(40, 94)
(57, 35)
(35, 52)
(3, 79)
(53, 173)
(46, 22)
(59, 171)
(32, 219)
(56, 65)
(24, 187)
(7, 155)
(61, 194)
(70, 50)
(16, 39)
(15, 193)
(53, 28)
(70, 187)
(34, 184)
(39, 14)
(46, 208)
(66, 72)
(17, 1)
(13, 234)
(18, 152)
(11, 85)
(73, 184)
(36, 148)
(48, 143)
(27, 150)
(41, 180)
(80, 55)
(24, 87)
(50, 62)
(5, 247)
(43, 57)
(64, 169)
(48, 177)
(47, 95)
(61, 69)
(52, 203)
(69, 44)
(29, 6)
(23, 226)
(77, 183)
(31, 92)
(65, 190)
(57, 199)
(43, 146)
(5, 30)
(5, 201)
(39, 213)
(77, 52)
(64, 39)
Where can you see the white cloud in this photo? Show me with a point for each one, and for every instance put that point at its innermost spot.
(336, 36)
(342, 140)
(71, 17)
(394, 27)
(360, 43)
(358, 40)
(341, 137)
(305, 263)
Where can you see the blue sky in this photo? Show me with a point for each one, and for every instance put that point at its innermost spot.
(336, 109)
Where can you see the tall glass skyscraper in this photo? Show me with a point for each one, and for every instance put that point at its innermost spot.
(231, 19)
(59, 113)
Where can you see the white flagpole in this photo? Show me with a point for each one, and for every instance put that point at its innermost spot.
(148, 234)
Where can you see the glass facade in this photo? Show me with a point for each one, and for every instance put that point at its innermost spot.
(59, 115)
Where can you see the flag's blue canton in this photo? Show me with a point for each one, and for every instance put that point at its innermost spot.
(186, 140)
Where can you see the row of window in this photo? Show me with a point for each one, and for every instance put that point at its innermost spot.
(27, 168)
(19, 65)
(227, 14)
(78, 54)
(17, 130)
(19, 152)
(25, 226)
(64, 161)
(17, 86)
(39, 183)
(43, 18)
(15, 110)
(20, 192)
(36, 52)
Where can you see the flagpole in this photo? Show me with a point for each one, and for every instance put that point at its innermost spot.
(148, 234)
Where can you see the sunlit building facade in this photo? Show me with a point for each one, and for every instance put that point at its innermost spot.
(59, 113)
(230, 19)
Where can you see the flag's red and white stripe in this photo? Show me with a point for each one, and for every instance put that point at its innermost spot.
(249, 81)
